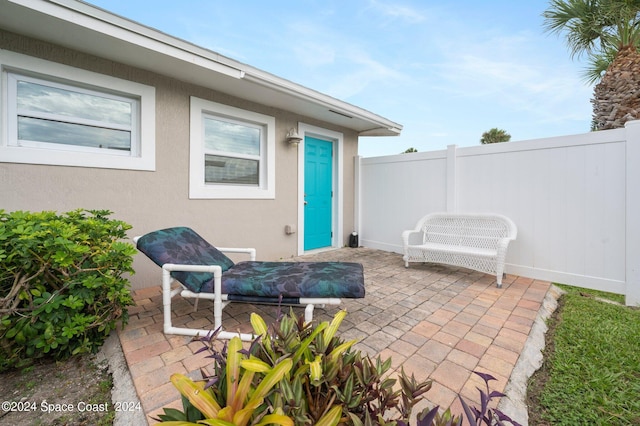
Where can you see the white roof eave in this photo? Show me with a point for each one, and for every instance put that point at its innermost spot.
(84, 27)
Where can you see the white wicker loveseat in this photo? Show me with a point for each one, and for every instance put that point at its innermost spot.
(474, 241)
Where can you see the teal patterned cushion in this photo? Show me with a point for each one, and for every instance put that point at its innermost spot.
(184, 246)
(294, 279)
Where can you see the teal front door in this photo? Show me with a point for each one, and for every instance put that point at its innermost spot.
(318, 193)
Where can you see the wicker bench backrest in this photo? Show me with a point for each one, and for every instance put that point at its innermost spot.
(480, 231)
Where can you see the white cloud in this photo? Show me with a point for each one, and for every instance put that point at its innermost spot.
(312, 55)
(363, 71)
(340, 63)
(396, 11)
(513, 71)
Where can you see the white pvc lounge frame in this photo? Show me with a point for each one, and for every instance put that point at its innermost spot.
(220, 300)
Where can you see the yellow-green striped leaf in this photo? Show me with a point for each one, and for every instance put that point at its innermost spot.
(276, 419)
(340, 349)
(258, 324)
(234, 357)
(332, 418)
(333, 327)
(271, 379)
(255, 364)
(195, 393)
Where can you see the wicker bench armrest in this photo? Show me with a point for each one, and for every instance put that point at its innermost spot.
(406, 236)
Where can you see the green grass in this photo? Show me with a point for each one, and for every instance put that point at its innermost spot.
(592, 364)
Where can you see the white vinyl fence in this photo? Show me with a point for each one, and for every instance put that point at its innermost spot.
(575, 200)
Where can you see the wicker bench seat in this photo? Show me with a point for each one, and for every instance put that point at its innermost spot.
(474, 241)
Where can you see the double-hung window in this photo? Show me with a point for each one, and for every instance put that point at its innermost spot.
(60, 115)
(231, 152)
(52, 115)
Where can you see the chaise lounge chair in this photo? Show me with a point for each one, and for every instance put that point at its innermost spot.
(204, 271)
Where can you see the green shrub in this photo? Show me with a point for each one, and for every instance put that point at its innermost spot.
(62, 288)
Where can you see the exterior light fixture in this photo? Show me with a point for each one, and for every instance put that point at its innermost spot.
(293, 137)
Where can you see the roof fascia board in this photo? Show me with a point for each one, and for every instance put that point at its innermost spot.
(332, 104)
(99, 20)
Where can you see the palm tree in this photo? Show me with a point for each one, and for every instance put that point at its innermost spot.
(608, 32)
(495, 135)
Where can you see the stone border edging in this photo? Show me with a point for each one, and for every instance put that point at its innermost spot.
(123, 390)
(514, 403)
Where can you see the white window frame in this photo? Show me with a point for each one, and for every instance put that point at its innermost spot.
(142, 153)
(198, 189)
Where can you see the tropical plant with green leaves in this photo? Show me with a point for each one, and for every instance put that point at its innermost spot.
(245, 382)
(608, 32)
(327, 383)
(495, 135)
(485, 415)
(62, 283)
(317, 358)
(297, 374)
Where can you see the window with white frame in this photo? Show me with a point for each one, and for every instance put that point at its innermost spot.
(231, 152)
(74, 117)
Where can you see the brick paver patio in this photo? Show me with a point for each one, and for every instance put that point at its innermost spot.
(435, 321)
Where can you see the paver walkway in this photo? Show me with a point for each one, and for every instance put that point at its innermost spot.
(436, 322)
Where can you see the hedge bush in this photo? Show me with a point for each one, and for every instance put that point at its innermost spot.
(62, 288)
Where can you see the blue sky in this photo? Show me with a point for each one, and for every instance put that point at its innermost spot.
(447, 71)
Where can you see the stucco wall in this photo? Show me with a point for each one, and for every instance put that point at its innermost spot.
(153, 200)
